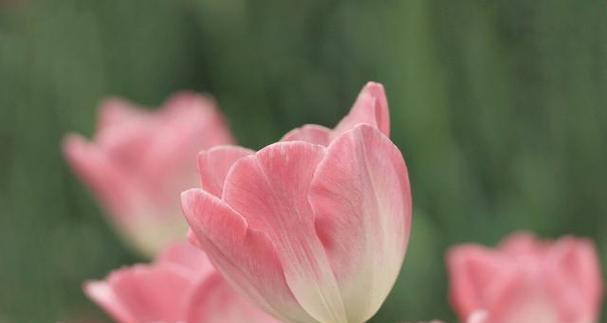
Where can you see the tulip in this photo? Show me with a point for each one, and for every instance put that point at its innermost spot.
(180, 286)
(313, 228)
(139, 162)
(526, 280)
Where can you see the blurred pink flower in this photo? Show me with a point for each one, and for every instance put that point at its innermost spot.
(139, 161)
(180, 286)
(314, 228)
(527, 281)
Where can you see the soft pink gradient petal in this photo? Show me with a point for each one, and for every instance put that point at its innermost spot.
(479, 279)
(313, 134)
(116, 111)
(522, 244)
(576, 281)
(147, 294)
(188, 257)
(214, 301)
(245, 255)
(270, 191)
(103, 294)
(214, 165)
(180, 286)
(106, 180)
(371, 107)
(362, 199)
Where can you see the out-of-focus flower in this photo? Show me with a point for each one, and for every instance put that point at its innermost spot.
(139, 161)
(180, 286)
(527, 281)
(314, 228)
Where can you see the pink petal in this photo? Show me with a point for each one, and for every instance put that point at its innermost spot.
(102, 293)
(480, 279)
(186, 125)
(478, 317)
(313, 134)
(187, 256)
(214, 301)
(106, 180)
(522, 244)
(199, 112)
(362, 199)
(214, 165)
(245, 256)
(371, 107)
(148, 294)
(575, 279)
(117, 111)
(269, 189)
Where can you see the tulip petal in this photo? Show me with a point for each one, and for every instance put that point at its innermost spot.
(214, 301)
(151, 294)
(184, 254)
(480, 279)
(108, 182)
(311, 133)
(576, 280)
(522, 244)
(371, 107)
(200, 112)
(245, 256)
(214, 165)
(103, 295)
(115, 111)
(270, 190)
(361, 197)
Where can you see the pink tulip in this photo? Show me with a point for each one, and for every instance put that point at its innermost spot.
(527, 281)
(139, 162)
(180, 286)
(314, 228)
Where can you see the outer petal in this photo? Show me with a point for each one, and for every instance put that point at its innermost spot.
(480, 280)
(102, 293)
(522, 244)
(574, 279)
(313, 134)
(214, 301)
(371, 107)
(245, 256)
(270, 191)
(200, 112)
(104, 178)
(187, 124)
(116, 111)
(146, 293)
(214, 165)
(362, 199)
(185, 255)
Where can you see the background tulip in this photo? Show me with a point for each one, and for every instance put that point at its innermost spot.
(139, 161)
(180, 286)
(526, 280)
(314, 228)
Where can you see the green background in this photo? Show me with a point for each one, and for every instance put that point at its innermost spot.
(498, 106)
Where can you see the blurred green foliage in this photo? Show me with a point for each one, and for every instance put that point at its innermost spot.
(498, 106)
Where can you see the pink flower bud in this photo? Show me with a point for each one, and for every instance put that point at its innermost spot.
(313, 228)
